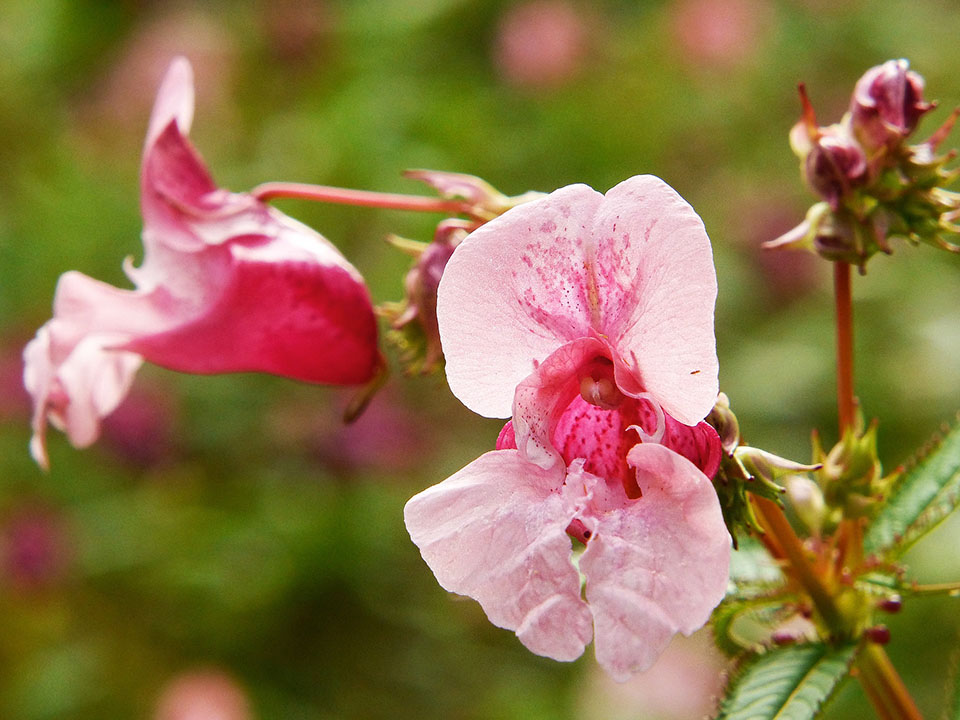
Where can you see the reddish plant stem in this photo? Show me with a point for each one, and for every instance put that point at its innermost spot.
(881, 682)
(776, 524)
(363, 198)
(846, 404)
(883, 685)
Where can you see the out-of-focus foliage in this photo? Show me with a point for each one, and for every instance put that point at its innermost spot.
(228, 537)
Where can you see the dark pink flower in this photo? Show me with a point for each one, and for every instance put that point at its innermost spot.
(590, 319)
(227, 284)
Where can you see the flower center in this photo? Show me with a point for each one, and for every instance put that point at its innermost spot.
(598, 385)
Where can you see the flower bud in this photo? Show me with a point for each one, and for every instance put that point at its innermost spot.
(835, 164)
(887, 104)
(725, 423)
(422, 282)
(806, 499)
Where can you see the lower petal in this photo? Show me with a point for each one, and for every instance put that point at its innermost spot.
(656, 565)
(495, 531)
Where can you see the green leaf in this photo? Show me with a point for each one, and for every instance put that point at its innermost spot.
(924, 495)
(745, 623)
(751, 564)
(790, 683)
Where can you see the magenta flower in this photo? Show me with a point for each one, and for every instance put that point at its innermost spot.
(227, 285)
(593, 316)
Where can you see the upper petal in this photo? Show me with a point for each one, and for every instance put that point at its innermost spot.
(655, 565)
(495, 531)
(514, 291)
(633, 266)
(657, 288)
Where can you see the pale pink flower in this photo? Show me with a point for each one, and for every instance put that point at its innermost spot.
(227, 284)
(593, 316)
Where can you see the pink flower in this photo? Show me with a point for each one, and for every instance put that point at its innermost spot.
(227, 285)
(593, 316)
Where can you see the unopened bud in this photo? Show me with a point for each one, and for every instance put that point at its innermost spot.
(768, 466)
(835, 164)
(887, 104)
(725, 423)
(806, 499)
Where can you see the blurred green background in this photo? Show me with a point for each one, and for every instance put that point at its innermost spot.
(227, 541)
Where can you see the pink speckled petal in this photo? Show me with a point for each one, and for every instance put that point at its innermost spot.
(495, 531)
(513, 292)
(656, 565)
(657, 288)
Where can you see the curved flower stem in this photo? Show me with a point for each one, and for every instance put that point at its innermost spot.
(364, 198)
(846, 404)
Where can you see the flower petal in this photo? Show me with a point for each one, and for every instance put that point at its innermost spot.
(514, 291)
(657, 287)
(285, 308)
(655, 565)
(174, 101)
(541, 398)
(495, 531)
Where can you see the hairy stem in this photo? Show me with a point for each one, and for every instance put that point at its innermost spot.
(776, 524)
(881, 682)
(846, 404)
(364, 198)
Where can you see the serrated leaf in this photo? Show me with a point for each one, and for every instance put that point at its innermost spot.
(924, 495)
(790, 683)
(744, 623)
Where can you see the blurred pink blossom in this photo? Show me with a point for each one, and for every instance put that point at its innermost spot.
(227, 284)
(719, 33)
(540, 43)
(592, 315)
(203, 695)
(33, 547)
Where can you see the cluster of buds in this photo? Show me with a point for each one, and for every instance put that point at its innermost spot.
(851, 477)
(415, 331)
(874, 185)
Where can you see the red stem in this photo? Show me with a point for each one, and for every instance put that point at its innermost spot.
(363, 198)
(846, 403)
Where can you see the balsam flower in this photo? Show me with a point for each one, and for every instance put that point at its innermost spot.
(590, 319)
(227, 284)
